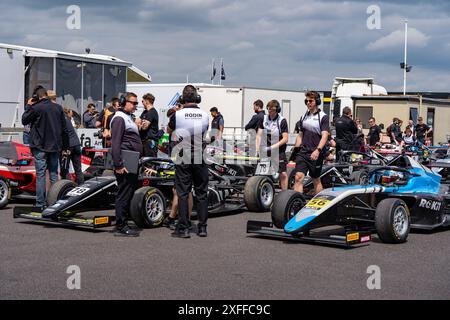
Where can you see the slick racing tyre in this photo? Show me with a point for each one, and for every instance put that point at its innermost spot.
(286, 205)
(4, 193)
(58, 190)
(148, 207)
(392, 220)
(259, 193)
(360, 177)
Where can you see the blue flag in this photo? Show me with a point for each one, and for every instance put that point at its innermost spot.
(222, 73)
(213, 75)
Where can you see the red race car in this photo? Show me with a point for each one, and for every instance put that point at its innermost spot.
(17, 172)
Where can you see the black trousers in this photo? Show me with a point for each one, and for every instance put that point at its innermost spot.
(75, 157)
(127, 184)
(185, 175)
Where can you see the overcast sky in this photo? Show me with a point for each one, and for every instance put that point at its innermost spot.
(292, 44)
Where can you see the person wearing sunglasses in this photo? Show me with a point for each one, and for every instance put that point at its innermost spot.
(124, 136)
(309, 150)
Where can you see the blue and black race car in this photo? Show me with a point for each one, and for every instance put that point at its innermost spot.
(397, 198)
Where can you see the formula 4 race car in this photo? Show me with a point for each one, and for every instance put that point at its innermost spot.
(17, 173)
(150, 203)
(397, 198)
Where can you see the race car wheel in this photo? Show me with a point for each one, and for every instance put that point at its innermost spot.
(392, 220)
(286, 205)
(4, 193)
(259, 193)
(58, 190)
(360, 177)
(148, 207)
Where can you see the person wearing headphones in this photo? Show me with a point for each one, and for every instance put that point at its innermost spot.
(190, 125)
(310, 143)
(274, 127)
(124, 136)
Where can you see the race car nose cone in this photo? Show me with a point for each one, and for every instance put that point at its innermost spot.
(297, 223)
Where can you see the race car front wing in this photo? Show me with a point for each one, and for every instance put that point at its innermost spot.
(335, 237)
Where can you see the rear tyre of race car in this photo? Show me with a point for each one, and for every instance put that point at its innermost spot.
(148, 207)
(259, 193)
(360, 177)
(392, 220)
(285, 206)
(4, 193)
(58, 190)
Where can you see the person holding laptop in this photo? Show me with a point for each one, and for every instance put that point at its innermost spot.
(125, 139)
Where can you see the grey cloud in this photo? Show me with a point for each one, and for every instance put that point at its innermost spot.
(288, 44)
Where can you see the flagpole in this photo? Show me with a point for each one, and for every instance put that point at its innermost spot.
(221, 66)
(405, 58)
(212, 71)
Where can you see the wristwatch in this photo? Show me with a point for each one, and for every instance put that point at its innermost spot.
(320, 149)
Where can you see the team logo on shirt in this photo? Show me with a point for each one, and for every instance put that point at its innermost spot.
(192, 115)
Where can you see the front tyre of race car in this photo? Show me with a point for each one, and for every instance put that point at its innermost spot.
(259, 193)
(285, 206)
(392, 220)
(4, 193)
(148, 207)
(58, 190)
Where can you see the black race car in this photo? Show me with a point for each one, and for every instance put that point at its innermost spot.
(150, 203)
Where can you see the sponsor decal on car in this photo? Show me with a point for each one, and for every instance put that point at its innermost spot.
(78, 191)
(319, 202)
(430, 204)
(351, 237)
(102, 220)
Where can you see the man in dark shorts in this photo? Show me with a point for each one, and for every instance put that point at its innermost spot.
(310, 143)
(275, 128)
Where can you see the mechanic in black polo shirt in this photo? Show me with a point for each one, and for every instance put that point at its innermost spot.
(374, 133)
(346, 131)
(124, 136)
(258, 107)
(421, 130)
(150, 126)
(217, 125)
(190, 126)
(310, 143)
(274, 127)
(395, 132)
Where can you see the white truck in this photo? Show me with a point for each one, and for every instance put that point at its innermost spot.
(234, 103)
(344, 88)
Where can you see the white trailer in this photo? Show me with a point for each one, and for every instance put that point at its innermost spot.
(77, 79)
(344, 88)
(234, 103)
